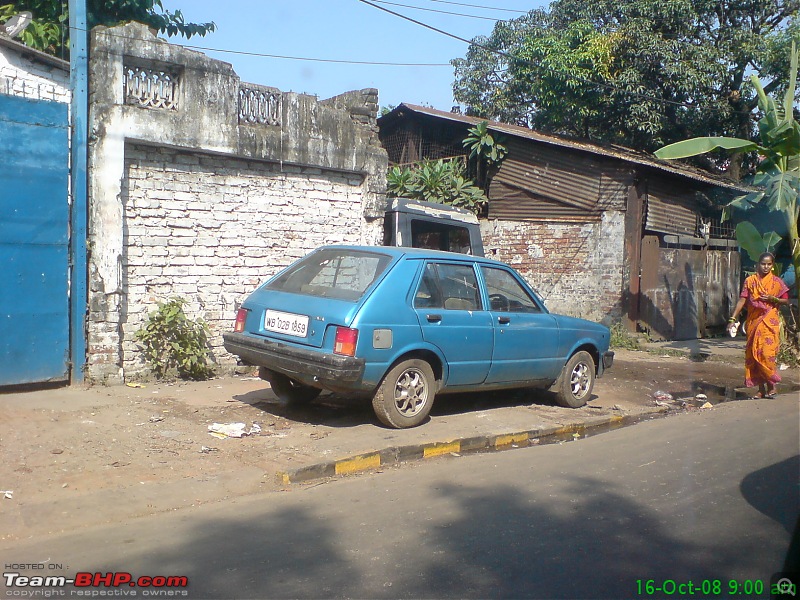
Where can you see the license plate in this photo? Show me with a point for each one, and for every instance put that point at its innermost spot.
(288, 323)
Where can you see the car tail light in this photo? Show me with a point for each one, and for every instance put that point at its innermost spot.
(241, 317)
(345, 342)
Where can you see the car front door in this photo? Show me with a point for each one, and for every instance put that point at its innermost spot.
(526, 337)
(451, 314)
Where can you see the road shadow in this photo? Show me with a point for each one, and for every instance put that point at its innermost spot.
(467, 541)
(343, 411)
(765, 492)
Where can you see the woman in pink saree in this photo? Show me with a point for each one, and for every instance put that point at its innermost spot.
(763, 293)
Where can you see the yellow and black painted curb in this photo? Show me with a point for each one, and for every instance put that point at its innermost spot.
(398, 454)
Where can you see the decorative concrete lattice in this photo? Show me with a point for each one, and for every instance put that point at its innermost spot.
(259, 106)
(150, 87)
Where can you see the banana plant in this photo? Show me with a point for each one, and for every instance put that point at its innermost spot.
(778, 173)
(754, 242)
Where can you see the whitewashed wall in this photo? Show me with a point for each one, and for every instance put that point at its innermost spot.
(210, 230)
(29, 74)
(201, 186)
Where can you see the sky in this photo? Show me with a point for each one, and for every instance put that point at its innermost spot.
(346, 30)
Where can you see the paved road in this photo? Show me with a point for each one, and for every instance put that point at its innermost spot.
(698, 496)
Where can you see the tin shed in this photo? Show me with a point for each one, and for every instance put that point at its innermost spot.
(603, 232)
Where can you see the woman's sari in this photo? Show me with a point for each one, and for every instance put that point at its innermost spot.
(763, 329)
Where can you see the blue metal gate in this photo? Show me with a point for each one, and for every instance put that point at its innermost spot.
(34, 241)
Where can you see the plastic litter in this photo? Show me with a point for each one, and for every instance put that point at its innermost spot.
(7, 494)
(707, 405)
(665, 396)
(234, 430)
(701, 397)
(733, 328)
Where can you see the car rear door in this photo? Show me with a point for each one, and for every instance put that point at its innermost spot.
(525, 336)
(452, 317)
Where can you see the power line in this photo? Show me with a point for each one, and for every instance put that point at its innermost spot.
(313, 59)
(519, 12)
(444, 12)
(286, 57)
(420, 23)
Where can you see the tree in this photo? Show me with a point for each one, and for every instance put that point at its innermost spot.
(48, 30)
(778, 172)
(642, 73)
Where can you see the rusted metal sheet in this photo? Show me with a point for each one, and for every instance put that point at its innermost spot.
(579, 181)
(520, 205)
(671, 209)
(686, 294)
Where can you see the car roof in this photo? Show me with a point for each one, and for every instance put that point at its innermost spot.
(420, 253)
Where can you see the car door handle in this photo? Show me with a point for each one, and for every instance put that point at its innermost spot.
(504, 320)
(433, 318)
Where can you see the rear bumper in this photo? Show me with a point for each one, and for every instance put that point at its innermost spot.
(307, 366)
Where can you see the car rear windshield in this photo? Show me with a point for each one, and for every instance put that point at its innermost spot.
(334, 273)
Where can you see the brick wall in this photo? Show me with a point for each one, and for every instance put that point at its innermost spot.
(576, 267)
(210, 229)
(202, 185)
(40, 79)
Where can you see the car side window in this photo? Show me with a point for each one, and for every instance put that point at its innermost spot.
(448, 286)
(428, 294)
(505, 292)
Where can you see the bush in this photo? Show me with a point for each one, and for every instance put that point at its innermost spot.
(173, 341)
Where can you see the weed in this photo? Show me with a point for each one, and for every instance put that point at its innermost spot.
(787, 355)
(173, 341)
(620, 338)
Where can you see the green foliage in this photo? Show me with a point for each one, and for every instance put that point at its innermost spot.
(486, 152)
(48, 29)
(696, 146)
(642, 73)
(442, 181)
(788, 355)
(43, 35)
(620, 338)
(753, 242)
(173, 341)
(778, 173)
(482, 144)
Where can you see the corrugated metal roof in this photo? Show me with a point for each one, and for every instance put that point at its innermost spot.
(608, 150)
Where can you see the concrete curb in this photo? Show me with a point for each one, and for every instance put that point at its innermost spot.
(483, 443)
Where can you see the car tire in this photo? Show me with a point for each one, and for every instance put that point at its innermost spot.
(574, 386)
(289, 390)
(405, 395)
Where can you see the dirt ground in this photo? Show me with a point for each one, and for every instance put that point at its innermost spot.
(73, 457)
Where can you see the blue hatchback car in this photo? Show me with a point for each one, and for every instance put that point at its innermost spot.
(404, 324)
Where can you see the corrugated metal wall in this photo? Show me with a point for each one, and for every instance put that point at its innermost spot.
(536, 181)
(669, 208)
